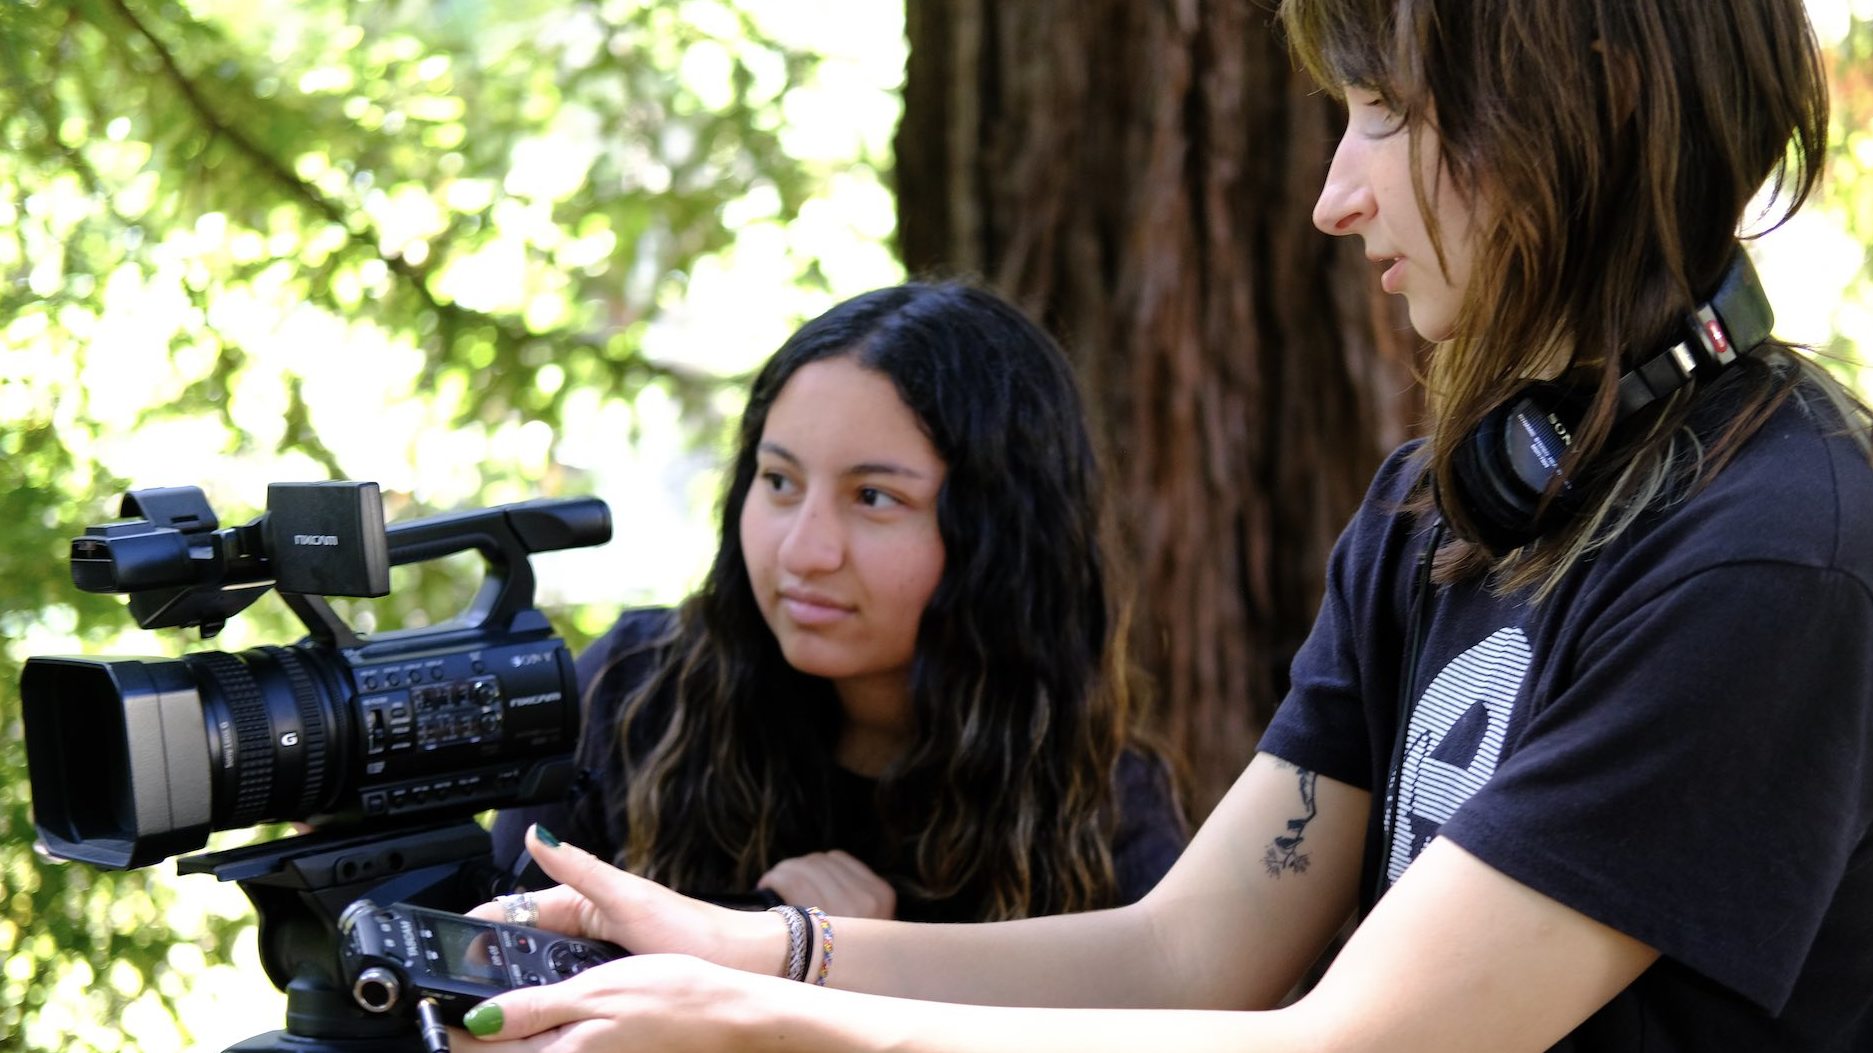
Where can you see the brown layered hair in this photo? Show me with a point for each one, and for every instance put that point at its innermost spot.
(1020, 689)
(1611, 149)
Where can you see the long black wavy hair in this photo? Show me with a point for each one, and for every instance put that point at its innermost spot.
(1019, 685)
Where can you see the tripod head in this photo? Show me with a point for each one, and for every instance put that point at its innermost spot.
(300, 885)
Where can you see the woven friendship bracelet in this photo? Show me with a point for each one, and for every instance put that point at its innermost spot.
(797, 942)
(825, 944)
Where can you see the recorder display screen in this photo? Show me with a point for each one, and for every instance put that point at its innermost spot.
(464, 946)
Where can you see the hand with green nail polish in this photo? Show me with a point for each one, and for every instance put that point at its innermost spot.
(664, 1003)
(667, 982)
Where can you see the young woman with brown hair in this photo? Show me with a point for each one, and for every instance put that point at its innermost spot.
(1584, 730)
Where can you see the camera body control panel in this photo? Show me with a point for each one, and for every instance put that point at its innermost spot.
(452, 728)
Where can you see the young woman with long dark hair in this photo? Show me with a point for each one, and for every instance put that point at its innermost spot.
(1583, 734)
(901, 690)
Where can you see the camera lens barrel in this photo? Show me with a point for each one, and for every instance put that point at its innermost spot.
(314, 724)
(268, 723)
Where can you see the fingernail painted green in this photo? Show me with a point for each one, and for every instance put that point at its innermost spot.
(483, 1020)
(546, 836)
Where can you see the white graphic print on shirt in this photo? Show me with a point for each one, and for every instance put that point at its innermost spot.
(1454, 741)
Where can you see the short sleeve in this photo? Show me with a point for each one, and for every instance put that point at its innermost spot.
(1322, 721)
(1699, 783)
(1346, 671)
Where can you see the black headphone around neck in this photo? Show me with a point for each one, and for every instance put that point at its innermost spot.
(1506, 464)
(1501, 470)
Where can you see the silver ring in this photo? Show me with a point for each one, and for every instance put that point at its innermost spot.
(520, 909)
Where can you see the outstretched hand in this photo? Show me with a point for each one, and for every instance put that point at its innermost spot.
(597, 900)
(671, 994)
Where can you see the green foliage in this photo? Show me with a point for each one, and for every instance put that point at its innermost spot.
(477, 207)
(1848, 185)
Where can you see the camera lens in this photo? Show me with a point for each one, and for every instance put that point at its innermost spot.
(271, 719)
(134, 760)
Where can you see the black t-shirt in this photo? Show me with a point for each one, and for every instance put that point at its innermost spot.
(1678, 742)
(1150, 834)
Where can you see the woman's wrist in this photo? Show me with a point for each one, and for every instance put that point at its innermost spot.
(754, 941)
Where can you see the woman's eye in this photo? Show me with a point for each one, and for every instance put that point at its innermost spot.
(775, 482)
(1376, 115)
(872, 497)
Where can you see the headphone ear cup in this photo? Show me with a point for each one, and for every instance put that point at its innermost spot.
(1501, 469)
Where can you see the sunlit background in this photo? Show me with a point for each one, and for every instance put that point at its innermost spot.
(370, 396)
(370, 400)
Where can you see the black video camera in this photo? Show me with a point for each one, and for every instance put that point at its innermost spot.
(133, 760)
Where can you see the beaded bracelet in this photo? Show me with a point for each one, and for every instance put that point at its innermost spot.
(825, 931)
(797, 945)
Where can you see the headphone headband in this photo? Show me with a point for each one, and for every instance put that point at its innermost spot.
(1736, 320)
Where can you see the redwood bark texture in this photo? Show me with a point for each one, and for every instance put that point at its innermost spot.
(1140, 174)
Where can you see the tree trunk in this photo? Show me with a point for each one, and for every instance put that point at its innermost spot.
(1141, 176)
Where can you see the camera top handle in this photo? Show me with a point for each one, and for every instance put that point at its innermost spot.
(504, 535)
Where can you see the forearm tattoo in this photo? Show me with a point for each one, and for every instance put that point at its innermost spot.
(1284, 852)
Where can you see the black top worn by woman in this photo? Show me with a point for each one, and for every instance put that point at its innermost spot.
(1147, 839)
